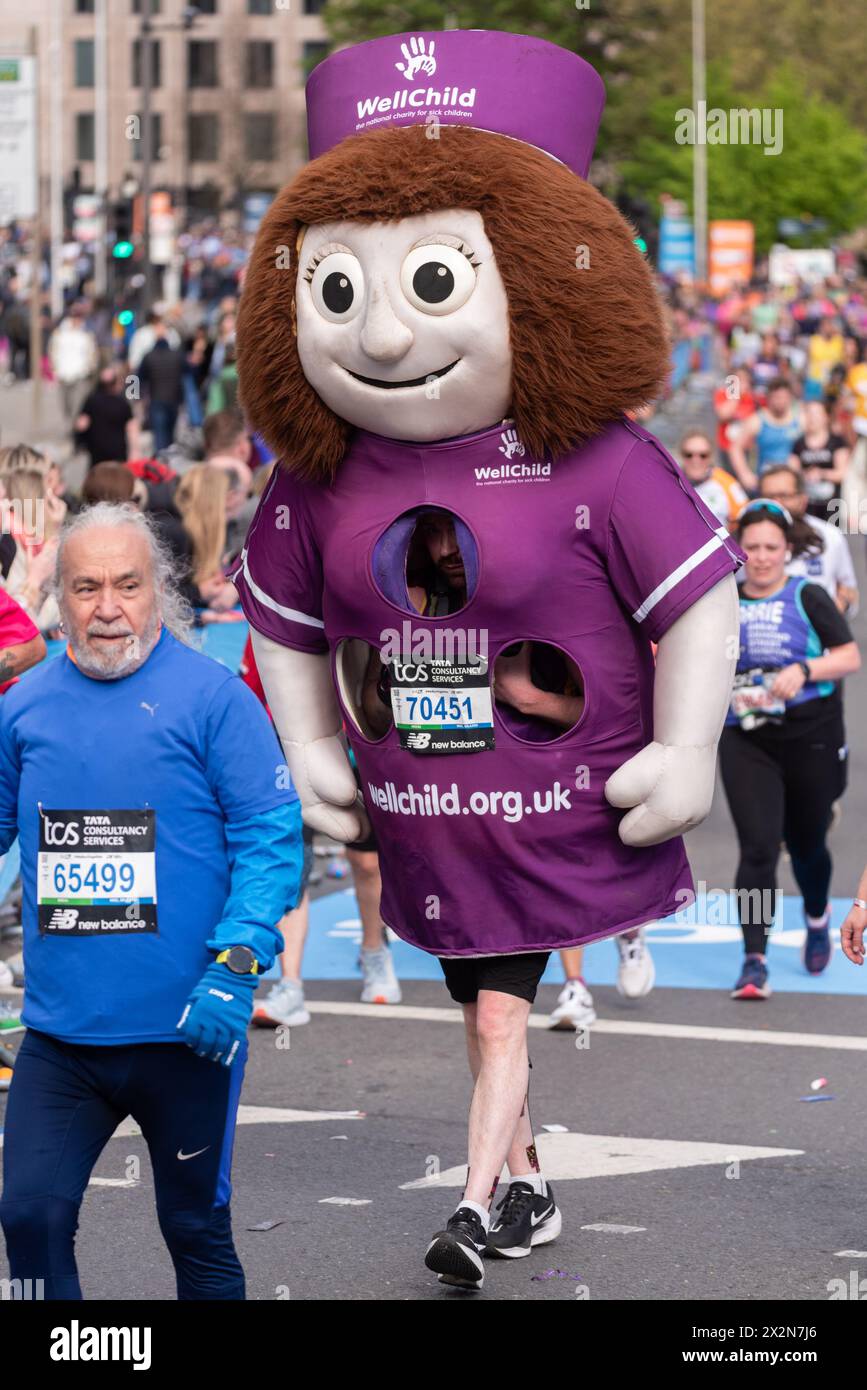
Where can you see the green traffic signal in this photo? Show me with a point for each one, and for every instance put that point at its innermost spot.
(641, 244)
(125, 317)
(122, 250)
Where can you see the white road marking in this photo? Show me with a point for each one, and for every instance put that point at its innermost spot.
(684, 1032)
(852, 1254)
(113, 1182)
(568, 1156)
(345, 1201)
(254, 1115)
(610, 1228)
(260, 1115)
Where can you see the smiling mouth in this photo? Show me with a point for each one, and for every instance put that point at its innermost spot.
(396, 385)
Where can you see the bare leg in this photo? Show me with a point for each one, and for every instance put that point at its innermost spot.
(522, 1151)
(572, 960)
(500, 1090)
(368, 890)
(294, 926)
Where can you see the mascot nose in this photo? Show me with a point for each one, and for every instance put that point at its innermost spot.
(383, 337)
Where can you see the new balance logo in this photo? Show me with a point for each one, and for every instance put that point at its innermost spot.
(417, 740)
(64, 918)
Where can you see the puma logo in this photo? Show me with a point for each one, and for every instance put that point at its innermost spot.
(151, 709)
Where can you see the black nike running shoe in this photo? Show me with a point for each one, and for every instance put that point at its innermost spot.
(525, 1219)
(455, 1254)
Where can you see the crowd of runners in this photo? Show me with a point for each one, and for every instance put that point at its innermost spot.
(783, 466)
(781, 461)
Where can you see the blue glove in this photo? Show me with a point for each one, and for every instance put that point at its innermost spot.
(215, 1020)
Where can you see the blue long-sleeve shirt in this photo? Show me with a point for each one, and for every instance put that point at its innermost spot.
(156, 824)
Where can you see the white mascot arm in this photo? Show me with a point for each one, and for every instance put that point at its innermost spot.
(669, 784)
(300, 695)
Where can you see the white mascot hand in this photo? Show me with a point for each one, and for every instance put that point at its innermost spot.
(669, 784)
(306, 715)
(670, 789)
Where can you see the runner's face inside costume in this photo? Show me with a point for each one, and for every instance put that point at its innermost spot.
(403, 327)
(436, 531)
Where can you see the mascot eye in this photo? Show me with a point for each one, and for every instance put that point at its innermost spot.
(337, 286)
(437, 279)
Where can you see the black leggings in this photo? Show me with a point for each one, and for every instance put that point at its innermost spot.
(781, 790)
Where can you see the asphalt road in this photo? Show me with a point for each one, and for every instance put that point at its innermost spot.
(762, 1228)
(658, 1118)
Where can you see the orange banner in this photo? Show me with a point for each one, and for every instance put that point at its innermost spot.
(730, 255)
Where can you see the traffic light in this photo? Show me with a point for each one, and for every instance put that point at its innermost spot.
(639, 213)
(121, 225)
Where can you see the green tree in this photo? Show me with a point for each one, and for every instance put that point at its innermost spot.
(821, 171)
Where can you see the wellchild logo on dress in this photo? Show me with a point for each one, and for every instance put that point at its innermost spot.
(418, 57)
(511, 447)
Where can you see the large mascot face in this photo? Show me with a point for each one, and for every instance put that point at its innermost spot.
(441, 263)
(403, 327)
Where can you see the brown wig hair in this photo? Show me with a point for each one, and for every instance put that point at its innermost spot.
(587, 334)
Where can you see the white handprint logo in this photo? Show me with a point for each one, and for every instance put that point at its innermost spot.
(511, 444)
(417, 59)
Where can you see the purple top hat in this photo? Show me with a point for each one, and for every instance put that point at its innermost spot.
(509, 84)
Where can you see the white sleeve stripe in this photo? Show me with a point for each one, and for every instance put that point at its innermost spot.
(680, 573)
(291, 613)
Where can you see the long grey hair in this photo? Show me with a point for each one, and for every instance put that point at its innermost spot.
(174, 611)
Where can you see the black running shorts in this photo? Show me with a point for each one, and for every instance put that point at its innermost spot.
(515, 974)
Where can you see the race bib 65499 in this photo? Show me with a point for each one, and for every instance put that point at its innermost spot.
(96, 873)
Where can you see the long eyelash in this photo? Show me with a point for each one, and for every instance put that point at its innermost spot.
(317, 257)
(324, 251)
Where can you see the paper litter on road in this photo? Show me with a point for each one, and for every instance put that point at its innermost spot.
(612, 1229)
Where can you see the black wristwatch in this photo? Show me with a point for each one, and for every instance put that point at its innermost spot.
(806, 670)
(240, 960)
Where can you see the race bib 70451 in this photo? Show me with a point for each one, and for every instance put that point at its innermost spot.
(441, 706)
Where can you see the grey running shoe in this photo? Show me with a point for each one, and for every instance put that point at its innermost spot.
(381, 985)
(283, 1007)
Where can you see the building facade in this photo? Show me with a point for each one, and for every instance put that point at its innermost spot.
(227, 92)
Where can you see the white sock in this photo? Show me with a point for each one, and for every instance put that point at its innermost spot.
(818, 921)
(483, 1214)
(535, 1180)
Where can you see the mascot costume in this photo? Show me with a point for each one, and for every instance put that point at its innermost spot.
(469, 549)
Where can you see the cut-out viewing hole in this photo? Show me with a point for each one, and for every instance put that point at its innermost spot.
(427, 562)
(362, 681)
(538, 691)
